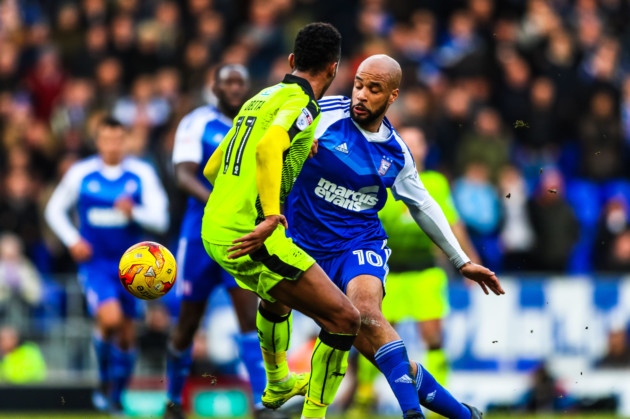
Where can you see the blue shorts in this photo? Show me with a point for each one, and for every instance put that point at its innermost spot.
(197, 274)
(100, 283)
(368, 258)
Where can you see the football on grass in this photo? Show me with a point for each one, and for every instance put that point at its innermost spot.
(147, 270)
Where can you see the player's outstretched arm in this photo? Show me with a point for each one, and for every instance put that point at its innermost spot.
(483, 276)
(269, 152)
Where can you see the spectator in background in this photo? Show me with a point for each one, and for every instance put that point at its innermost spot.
(19, 211)
(612, 243)
(454, 120)
(20, 282)
(478, 205)
(45, 82)
(516, 236)
(20, 362)
(618, 352)
(600, 138)
(487, 143)
(555, 225)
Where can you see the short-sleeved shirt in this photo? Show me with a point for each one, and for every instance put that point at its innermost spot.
(411, 248)
(197, 136)
(234, 207)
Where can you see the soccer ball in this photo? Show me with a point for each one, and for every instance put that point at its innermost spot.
(147, 270)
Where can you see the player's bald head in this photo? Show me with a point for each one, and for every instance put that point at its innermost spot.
(383, 66)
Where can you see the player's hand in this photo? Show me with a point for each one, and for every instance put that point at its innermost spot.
(313, 148)
(254, 240)
(125, 205)
(81, 251)
(483, 276)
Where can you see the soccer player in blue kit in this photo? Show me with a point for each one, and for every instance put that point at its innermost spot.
(332, 213)
(115, 197)
(196, 138)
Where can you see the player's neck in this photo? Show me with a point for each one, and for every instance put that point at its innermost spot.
(319, 83)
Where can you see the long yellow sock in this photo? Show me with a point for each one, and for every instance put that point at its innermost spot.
(329, 363)
(274, 334)
(366, 375)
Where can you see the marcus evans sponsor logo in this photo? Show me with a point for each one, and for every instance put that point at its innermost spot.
(363, 199)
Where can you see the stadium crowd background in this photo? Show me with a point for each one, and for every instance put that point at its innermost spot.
(525, 105)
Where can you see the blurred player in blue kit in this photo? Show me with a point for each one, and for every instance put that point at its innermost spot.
(116, 198)
(332, 213)
(197, 136)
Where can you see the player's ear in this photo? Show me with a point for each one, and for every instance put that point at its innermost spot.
(292, 61)
(332, 69)
(393, 96)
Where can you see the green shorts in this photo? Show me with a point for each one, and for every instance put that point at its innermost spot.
(417, 295)
(279, 259)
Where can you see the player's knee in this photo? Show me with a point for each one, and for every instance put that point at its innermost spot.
(349, 320)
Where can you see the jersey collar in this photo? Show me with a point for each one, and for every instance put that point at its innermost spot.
(304, 84)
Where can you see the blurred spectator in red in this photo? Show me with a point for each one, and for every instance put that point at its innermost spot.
(555, 225)
(45, 82)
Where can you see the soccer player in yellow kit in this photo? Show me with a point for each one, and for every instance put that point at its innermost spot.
(243, 229)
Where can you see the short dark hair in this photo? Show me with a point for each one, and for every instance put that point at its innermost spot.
(110, 122)
(316, 46)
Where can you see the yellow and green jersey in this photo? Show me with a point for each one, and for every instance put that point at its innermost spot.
(412, 249)
(234, 209)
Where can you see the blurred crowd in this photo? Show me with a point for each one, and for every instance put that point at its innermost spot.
(525, 105)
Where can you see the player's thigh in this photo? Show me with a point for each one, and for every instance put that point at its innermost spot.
(315, 295)
(279, 259)
(107, 300)
(416, 295)
(368, 258)
(198, 275)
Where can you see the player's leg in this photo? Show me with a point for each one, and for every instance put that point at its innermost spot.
(101, 285)
(245, 303)
(283, 275)
(196, 280)
(381, 341)
(123, 361)
(317, 297)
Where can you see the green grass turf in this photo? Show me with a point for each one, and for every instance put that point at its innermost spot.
(91, 415)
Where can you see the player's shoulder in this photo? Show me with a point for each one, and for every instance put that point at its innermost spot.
(84, 167)
(332, 109)
(199, 115)
(138, 166)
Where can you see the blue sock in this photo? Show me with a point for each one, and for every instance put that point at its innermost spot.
(121, 368)
(251, 355)
(438, 399)
(177, 370)
(103, 355)
(392, 360)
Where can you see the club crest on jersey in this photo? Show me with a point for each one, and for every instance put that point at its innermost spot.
(304, 120)
(385, 165)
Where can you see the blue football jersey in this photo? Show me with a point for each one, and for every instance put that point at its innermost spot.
(199, 133)
(335, 201)
(91, 188)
